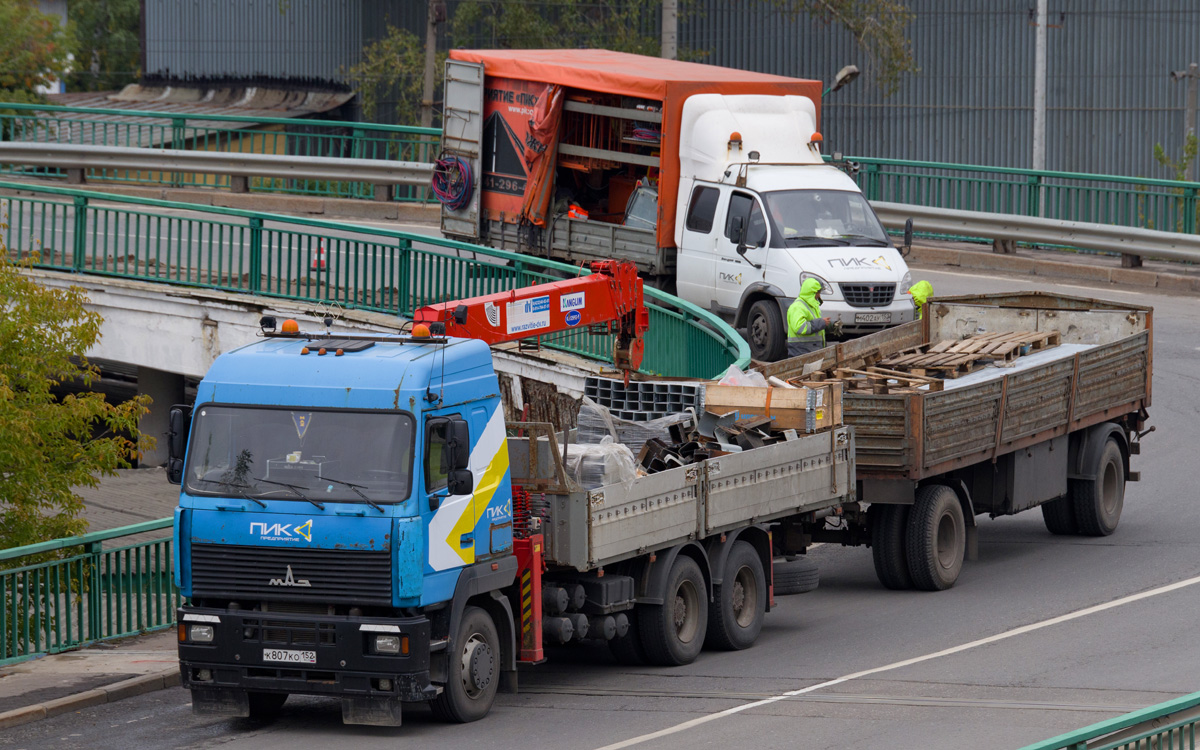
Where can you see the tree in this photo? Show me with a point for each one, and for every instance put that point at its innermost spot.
(51, 443)
(108, 44)
(390, 69)
(620, 25)
(34, 50)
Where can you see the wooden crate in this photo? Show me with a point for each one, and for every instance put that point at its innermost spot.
(787, 407)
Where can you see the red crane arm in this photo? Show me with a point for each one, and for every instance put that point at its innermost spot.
(607, 301)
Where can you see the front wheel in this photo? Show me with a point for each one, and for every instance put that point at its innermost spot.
(474, 670)
(736, 618)
(1098, 502)
(937, 538)
(673, 632)
(765, 332)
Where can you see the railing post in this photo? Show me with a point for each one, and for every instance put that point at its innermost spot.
(178, 133)
(79, 241)
(404, 280)
(95, 552)
(1189, 210)
(256, 234)
(871, 186)
(1035, 196)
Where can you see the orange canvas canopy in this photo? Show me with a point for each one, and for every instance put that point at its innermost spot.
(666, 81)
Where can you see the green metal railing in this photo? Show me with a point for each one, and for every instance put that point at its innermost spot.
(1165, 205)
(1167, 726)
(204, 132)
(92, 593)
(321, 261)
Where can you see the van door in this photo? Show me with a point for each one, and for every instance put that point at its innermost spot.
(733, 272)
(694, 265)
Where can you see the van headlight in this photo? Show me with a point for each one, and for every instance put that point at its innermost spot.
(826, 288)
(906, 282)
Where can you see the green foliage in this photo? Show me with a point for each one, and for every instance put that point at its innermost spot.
(34, 49)
(391, 69)
(878, 26)
(621, 25)
(108, 50)
(1179, 167)
(49, 443)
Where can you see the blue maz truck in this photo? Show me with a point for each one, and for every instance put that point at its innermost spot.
(355, 520)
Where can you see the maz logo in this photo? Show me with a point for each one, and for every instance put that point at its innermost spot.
(731, 278)
(281, 531)
(289, 580)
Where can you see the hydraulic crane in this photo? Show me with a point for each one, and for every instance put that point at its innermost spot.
(608, 301)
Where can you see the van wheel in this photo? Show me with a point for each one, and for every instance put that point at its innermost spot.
(765, 332)
(474, 670)
(1098, 502)
(889, 528)
(673, 632)
(739, 603)
(937, 538)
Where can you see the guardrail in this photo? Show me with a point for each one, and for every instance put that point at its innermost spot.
(1145, 243)
(1165, 205)
(291, 137)
(382, 175)
(321, 261)
(1173, 724)
(90, 595)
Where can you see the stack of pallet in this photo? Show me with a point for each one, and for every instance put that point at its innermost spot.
(953, 358)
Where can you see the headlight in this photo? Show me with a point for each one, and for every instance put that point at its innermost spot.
(390, 644)
(826, 288)
(906, 282)
(200, 633)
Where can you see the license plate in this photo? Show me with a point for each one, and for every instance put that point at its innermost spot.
(290, 656)
(873, 317)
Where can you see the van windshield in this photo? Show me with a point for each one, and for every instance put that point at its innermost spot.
(318, 455)
(823, 218)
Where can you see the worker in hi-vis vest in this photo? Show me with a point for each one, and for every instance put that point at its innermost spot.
(920, 291)
(806, 327)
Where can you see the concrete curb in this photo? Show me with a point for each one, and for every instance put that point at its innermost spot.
(140, 685)
(1053, 269)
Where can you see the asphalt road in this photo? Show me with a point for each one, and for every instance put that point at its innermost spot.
(1041, 635)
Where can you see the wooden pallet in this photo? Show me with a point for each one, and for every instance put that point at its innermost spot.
(952, 358)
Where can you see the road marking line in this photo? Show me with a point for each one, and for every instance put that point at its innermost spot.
(906, 662)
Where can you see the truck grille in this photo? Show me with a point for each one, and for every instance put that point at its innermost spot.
(333, 575)
(868, 295)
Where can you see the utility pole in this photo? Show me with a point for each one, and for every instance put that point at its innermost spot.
(435, 15)
(670, 29)
(1192, 74)
(1039, 90)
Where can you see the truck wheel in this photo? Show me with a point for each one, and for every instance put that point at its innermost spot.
(797, 576)
(628, 648)
(740, 601)
(673, 633)
(765, 332)
(937, 538)
(1059, 515)
(474, 670)
(1098, 502)
(266, 705)
(889, 527)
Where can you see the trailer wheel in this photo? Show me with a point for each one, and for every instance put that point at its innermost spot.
(937, 538)
(889, 527)
(474, 670)
(266, 705)
(736, 618)
(1098, 502)
(765, 332)
(673, 632)
(797, 576)
(1059, 515)
(628, 648)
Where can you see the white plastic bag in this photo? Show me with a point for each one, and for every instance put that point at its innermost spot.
(600, 465)
(734, 376)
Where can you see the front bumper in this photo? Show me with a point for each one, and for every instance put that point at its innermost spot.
(343, 665)
(859, 320)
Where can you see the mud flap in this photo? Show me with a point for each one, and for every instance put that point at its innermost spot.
(220, 702)
(376, 712)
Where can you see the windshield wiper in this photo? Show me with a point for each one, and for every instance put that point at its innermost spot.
(295, 489)
(870, 241)
(810, 238)
(239, 488)
(357, 491)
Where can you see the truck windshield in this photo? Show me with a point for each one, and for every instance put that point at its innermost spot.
(823, 218)
(318, 455)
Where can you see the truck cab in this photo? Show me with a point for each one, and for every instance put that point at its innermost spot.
(762, 212)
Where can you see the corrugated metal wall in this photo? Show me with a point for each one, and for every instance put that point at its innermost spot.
(1109, 95)
(301, 40)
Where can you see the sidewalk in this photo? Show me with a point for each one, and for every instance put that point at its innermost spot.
(112, 670)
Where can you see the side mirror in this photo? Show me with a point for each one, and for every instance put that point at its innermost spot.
(737, 225)
(460, 482)
(179, 422)
(459, 445)
(907, 239)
